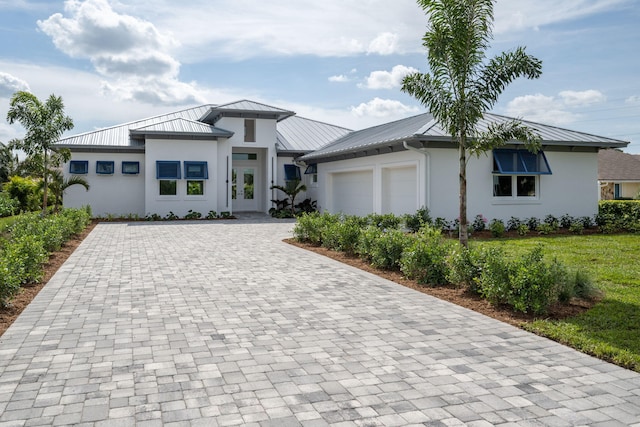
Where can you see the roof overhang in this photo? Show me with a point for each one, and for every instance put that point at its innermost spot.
(102, 148)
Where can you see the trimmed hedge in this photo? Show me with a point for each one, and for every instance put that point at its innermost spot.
(30, 240)
(618, 215)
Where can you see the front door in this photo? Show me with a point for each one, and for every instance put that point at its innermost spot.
(243, 190)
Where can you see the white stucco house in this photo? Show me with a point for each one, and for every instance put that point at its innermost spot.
(225, 158)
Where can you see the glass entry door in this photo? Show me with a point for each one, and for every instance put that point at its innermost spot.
(243, 188)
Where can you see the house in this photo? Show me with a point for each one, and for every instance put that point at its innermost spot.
(226, 158)
(618, 175)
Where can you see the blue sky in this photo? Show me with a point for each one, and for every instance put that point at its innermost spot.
(338, 61)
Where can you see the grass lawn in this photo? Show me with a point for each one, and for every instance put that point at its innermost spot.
(611, 329)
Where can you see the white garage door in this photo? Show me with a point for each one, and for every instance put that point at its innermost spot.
(352, 192)
(399, 190)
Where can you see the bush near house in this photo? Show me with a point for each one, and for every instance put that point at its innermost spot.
(27, 243)
(618, 215)
(529, 285)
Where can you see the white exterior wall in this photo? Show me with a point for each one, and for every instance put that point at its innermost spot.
(572, 187)
(117, 194)
(264, 145)
(180, 150)
(376, 165)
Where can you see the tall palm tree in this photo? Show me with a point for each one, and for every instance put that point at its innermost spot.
(463, 84)
(58, 185)
(44, 124)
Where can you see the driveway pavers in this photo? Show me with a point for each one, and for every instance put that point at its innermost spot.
(221, 323)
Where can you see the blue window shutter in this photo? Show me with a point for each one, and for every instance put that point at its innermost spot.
(193, 170)
(292, 173)
(520, 162)
(167, 169)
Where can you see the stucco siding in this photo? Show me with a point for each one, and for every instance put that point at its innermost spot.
(117, 194)
(181, 203)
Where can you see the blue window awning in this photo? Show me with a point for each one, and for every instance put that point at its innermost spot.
(292, 173)
(311, 169)
(520, 162)
(167, 169)
(196, 170)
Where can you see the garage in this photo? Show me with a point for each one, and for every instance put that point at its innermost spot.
(400, 190)
(352, 192)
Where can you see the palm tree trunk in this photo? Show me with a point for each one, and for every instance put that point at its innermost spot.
(46, 185)
(463, 234)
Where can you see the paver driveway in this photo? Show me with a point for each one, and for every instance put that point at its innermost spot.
(220, 323)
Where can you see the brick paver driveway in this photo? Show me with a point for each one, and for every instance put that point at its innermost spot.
(220, 323)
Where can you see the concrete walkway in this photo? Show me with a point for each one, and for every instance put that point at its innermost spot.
(220, 323)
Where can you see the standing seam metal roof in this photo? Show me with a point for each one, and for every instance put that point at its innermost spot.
(298, 134)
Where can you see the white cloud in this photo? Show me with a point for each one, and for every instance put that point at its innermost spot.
(130, 53)
(384, 44)
(10, 84)
(339, 79)
(633, 99)
(388, 79)
(586, 97)
(541, 108)
(378, 107)
(523, 14)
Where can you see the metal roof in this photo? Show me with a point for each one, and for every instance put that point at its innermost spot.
(183, 127)
(615, 165)
(245, 108)
(301, 135)
(119, 135)
(424, 129)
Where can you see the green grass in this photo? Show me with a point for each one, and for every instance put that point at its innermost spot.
(611, 329)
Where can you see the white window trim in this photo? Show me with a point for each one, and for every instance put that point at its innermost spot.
(514, 199)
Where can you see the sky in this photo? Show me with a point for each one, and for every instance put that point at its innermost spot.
(336, 61)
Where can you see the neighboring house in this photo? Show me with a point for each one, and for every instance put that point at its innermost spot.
(227, 157)
(618, 175)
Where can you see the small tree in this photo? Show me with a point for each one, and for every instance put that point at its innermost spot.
(463, 85)
(58, 185)
(8, 163)
(44, 123)
(292, 189)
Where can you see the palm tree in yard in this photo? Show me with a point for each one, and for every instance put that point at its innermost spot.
(44, 124)
(463, 84)
(58, 185)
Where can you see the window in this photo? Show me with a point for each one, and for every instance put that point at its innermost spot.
(130, 168)
(244, 156)
(168, 187)
(313, 171)
(167, 169)
(196, 170)
(511, 162)
(79, 167)
(524, 185)
(195, 188)
(104, 167)
(291, 173)
(249, 130)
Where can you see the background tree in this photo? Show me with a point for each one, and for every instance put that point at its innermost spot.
(44, 123)
(8, 162)
(463, 84)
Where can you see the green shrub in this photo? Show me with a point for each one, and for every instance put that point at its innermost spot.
(8, 205)
(464, 266)
(385, 249)
(193, 215)
(25, 191)
(576, 227)
(552, 221)
(523, 230)
(343, 235)
(497, 228)
(212, 215)
(479, 223)
(25, 256)
(566, 220)
(384, 221)
(545, 228)
(533, 223)
(310, 227)
(425, 258)
(367, 240)
(415, 221)
(615, 215)
(513, 223)
(527, 284)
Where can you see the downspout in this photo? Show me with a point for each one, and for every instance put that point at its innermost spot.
(427, 172)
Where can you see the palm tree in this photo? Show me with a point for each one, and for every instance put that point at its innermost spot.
(58, 185)
(44, 124)
(292, 189)
(9, 162)
(463, 84)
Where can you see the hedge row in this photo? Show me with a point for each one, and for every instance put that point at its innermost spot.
(530, 284)
(28, 243)
(619, 215)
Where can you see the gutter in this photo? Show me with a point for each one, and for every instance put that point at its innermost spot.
(427, 171)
